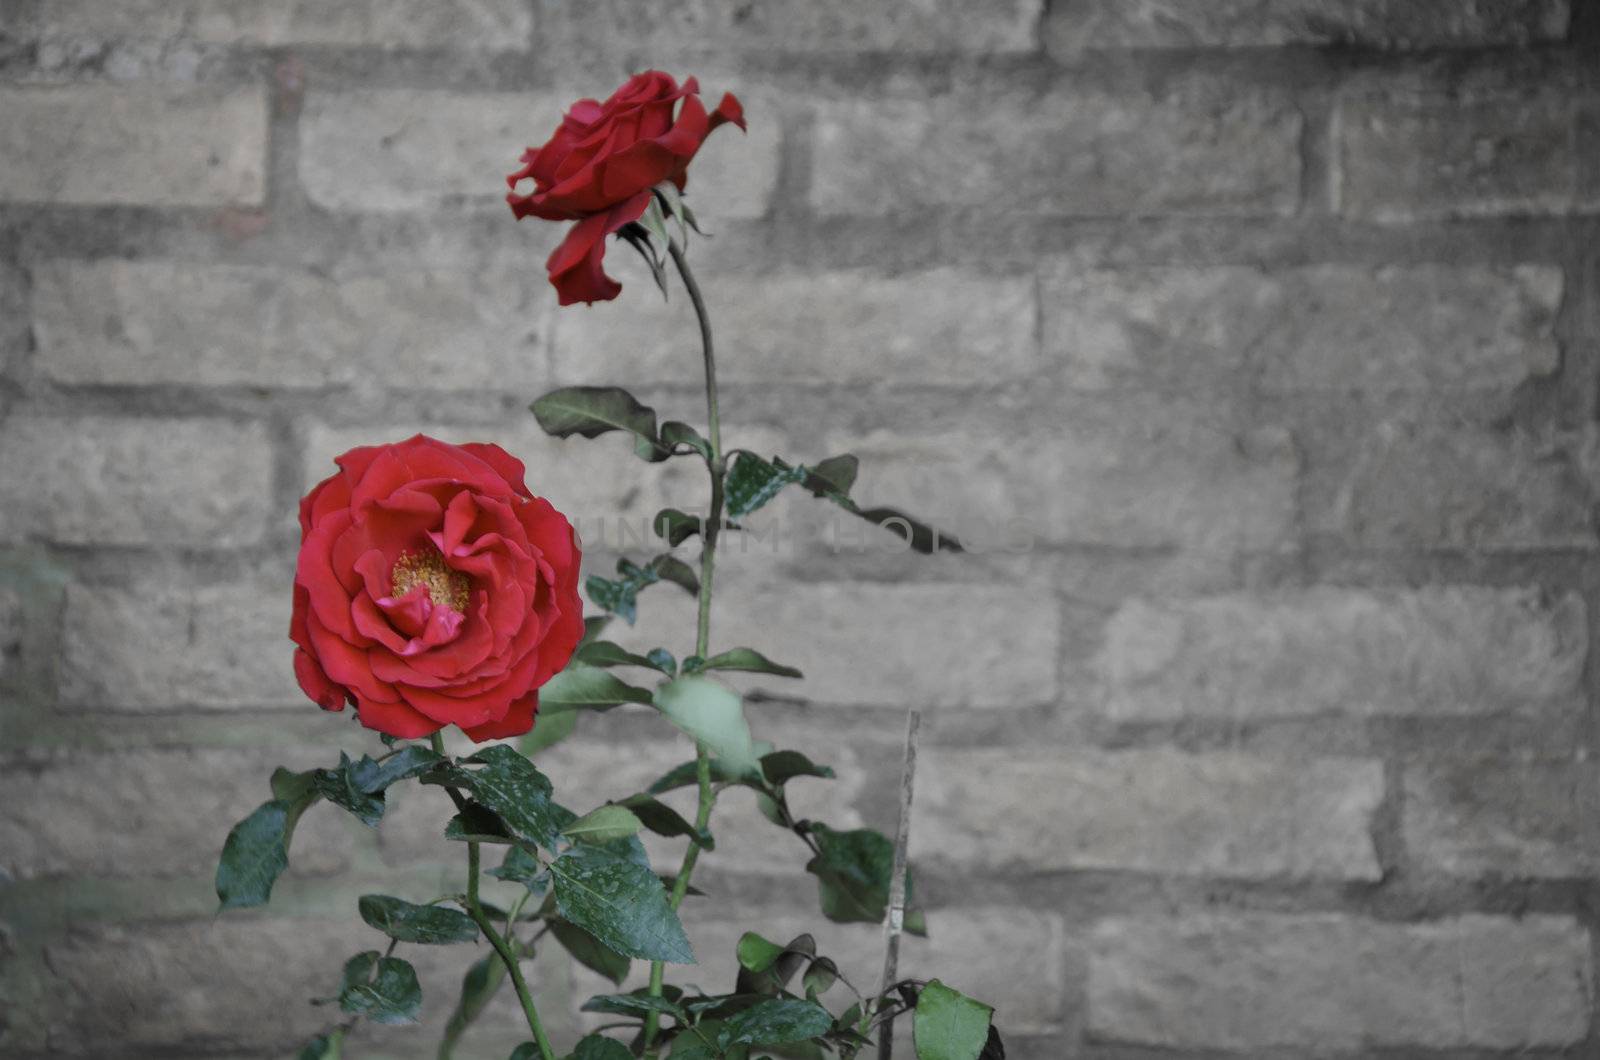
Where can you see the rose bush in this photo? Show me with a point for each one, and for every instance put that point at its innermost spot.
(433, 589)
(599, 166)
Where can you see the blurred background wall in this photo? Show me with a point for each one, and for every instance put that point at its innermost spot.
(1273, 324)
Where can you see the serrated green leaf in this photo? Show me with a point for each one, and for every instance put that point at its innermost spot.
(591, 411)
(776, 1022)
(255, 854)
(853, 871)
(510, 786)
(712, 714)
(477, 823)
(751, 482)
(948, 1025)
(589, 952)
(478, 987)
(662, 819)
(599, 1047)
(635, 1004)
(393, 995)
(548, 730)
(620, 902)
(602, 653)
(780, 767)
(748, 660)
(341, 787)
(674, 526)
(588, 688)
(519, 866)
(686, 776)
(603, 824)
(429, 925)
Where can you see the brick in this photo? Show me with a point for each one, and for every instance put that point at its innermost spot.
(133, 145)
(1402, 158)
(1080, 24)
(1197, 151)
(1330, 981)
(483, 25)
(1218, 814)
(1456, 650)
(1496, 817)
(1130, 470)
(162, 644)
(137, 813)
(151, 322)
(199, 483)
(1408, 482)
(944, 325)
(827, 27)
(397, 150)
(238, 985)
(885, 645)
(1426, 328)
(11, 630)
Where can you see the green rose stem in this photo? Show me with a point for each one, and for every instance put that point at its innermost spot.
(702, 643)
(507, 955)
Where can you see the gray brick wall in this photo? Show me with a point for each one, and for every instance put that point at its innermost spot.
(1277, 325)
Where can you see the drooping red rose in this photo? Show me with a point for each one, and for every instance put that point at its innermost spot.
(599, 166)
(433, 589)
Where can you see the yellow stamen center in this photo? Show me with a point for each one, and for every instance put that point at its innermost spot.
(446, 587)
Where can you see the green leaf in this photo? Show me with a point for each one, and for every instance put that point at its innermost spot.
(621, 903)
(662, 819)
(948, 1025)
(853, 871)
(635, 1004)
(674, 526)
(834, 475)
(519, 866)
(662, 660)
(256, 852)
(587, 688)
(477, 823)
(392, 996)
(752, 482)
(323, 1046)
(714, 715)
(591, 411)
(593, 626)
(478, 987)
(509, 785)
(672, 569)
(780, 767)
(832, 479)
(821, 976)
(755, 953)
(341, 787)
(429, 925)
(686, 776)
(674, 434)
(776, 1022)
(548, 730)
(749, 661)
(773, 976)
(601, 653)
(603, 825)
(599, 1047)
(589, 952)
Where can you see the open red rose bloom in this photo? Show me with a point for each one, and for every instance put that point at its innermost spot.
(599, 166)
(433, 589)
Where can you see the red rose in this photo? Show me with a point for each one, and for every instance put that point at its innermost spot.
(433, 589)
(600, 165)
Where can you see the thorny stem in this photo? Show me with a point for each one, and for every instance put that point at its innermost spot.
(508, 956)
(702, 641)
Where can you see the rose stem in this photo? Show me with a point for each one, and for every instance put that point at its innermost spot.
(503, 948)
(702, 643)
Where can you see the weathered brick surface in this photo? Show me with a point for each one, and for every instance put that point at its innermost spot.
(1511, 817)
(935, 326)
(1316, 328)
(153, 322)
(1149, 811)
(199, 483)
(1239, 982)
(10, 629)
(160, 644)
(1080, 24)
(139, 145)
(152, 814)
(1411, 157)
(825, 27)
(400, 150)
(1439, 651)
(1199, 150)
(487, 25)
(1422, 483)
